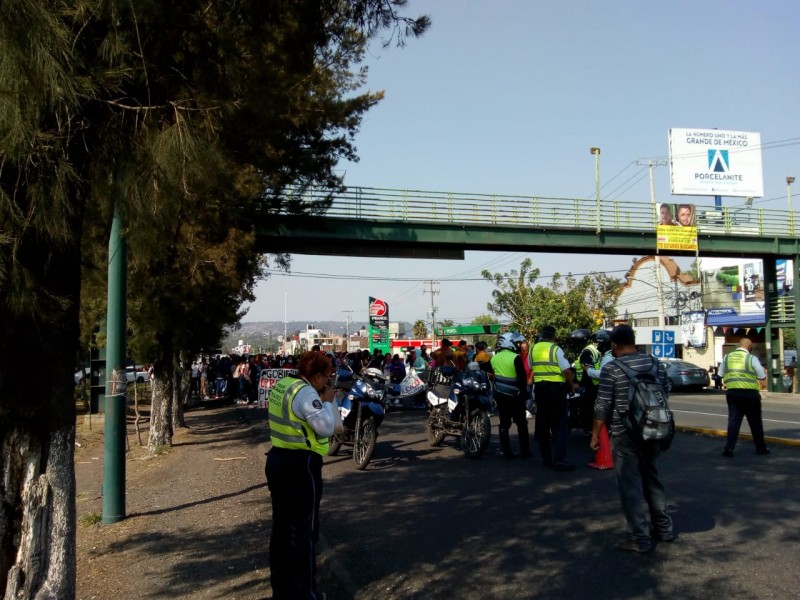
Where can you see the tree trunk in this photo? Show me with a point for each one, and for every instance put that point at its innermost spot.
(44, 532)
(160, 413)
(37, 427)
(179, 391)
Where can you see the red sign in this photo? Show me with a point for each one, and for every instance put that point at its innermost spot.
(377, 308)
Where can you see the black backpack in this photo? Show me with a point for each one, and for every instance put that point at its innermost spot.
(648, 417)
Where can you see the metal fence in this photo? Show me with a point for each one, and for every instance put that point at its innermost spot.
(416, 206)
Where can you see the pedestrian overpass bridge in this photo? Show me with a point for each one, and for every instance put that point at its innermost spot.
(409, 223)
(362, 221)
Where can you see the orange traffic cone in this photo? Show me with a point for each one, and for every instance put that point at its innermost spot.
(602, 458)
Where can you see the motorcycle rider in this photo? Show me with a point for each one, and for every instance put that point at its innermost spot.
(510, 387)
(602, 340)
(588, 357)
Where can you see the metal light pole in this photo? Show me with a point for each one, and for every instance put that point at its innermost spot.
(115, 406)
(596, 152)
(789, 182)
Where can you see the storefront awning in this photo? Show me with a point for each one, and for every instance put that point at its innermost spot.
(751, 319)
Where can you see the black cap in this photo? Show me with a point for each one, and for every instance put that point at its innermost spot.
(623, 335)
(548, 330)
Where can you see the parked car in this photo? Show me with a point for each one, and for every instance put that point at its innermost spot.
(136, 374)
(682, 374)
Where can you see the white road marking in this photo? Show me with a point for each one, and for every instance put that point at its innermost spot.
(694, 412)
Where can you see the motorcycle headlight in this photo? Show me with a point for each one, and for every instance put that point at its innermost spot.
(373, 393)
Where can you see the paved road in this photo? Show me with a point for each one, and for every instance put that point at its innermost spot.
(426, 523)
(708, 410)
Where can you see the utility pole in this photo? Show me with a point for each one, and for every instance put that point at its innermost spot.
(657, 262)
(347, 314)
(433, 293)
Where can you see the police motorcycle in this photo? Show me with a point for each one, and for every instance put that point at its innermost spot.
(362, 411)
(464, 413)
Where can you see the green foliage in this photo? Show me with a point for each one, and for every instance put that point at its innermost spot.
(789, 339)
(729, 279)
(90, 518)
(567, 304)
(419, 330)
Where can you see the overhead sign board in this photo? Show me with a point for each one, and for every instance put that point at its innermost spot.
(713, 162)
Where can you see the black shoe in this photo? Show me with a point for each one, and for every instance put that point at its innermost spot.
(563, 466)
(665, 537)
(509, 455)
(727, 453)
(633, 546)
(525, 455)
(764, 450)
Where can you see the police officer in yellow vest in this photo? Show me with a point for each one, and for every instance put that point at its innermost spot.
(301, 418)
(552, 377)
(743, 376)
(599, 355)
(510, 391)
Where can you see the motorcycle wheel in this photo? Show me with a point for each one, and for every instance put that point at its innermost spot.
(333, 445)
(477, 431)
(364, 444)
(436, 434)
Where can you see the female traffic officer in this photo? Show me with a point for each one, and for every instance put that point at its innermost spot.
(301, 417)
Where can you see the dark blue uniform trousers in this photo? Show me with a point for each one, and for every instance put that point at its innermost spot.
(294, 478)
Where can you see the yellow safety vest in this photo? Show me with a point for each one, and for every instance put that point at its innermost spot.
(505, 374)
(739, 371)
(287, 430)
(544, 363)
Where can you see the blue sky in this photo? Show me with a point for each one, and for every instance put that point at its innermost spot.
(508, 96)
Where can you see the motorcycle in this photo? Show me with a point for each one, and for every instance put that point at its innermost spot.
(464, 413)
(362, 411)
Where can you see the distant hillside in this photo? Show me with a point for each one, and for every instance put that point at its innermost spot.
(293, 327)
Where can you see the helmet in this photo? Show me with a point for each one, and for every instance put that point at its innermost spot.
(579, 337)
(374, 377)
(602, 338)
(510, 341)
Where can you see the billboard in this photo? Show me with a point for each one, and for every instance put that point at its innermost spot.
(378, 325)
(713, 162)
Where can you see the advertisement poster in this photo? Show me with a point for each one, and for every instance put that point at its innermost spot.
(378, 325)
(693, 324)
(676, 227)
(753, 282)
(713, 162)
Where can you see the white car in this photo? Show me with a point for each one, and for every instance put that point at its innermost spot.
(136, 374)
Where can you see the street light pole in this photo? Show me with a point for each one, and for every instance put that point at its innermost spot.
(596, 152)
(789, 182)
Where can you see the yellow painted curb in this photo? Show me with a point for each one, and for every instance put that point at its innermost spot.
(742, 436)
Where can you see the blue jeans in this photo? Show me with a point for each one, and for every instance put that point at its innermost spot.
(640, 487)
(741, 404)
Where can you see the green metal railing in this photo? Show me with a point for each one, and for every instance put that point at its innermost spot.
(416, 206)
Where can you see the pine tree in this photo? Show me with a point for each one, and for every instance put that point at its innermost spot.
(158, 110)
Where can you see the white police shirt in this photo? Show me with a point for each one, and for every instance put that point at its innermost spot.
(318, 414)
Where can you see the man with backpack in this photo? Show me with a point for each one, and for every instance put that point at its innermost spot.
(631, 402)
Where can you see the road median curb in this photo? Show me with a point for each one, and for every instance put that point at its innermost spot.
(742, 436)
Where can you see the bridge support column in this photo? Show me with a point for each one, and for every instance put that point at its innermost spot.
(773, 337)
